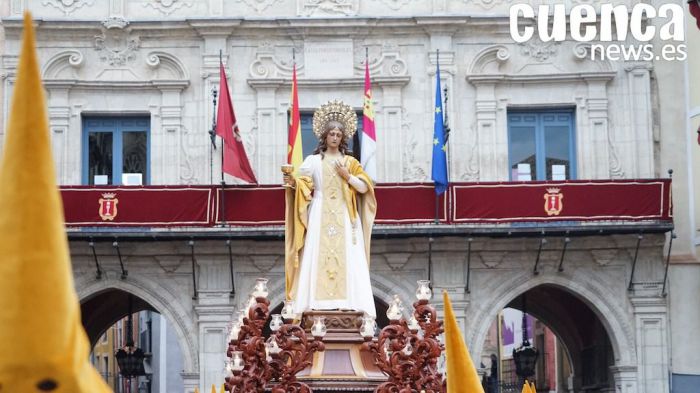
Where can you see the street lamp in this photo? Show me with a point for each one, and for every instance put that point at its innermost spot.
(525, 356)
(130, 358)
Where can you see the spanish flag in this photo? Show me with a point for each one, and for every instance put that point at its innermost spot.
(461, 373)
(43, 346)
(295, 154)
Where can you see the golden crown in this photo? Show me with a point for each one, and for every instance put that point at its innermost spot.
(335, 110)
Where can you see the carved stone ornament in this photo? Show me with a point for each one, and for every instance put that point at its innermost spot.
(64, 65)
(273, 62)
(259, 5)
(167, 7)
(67, 6)
(487, 4)
(384, 61)
(116, 44)
(396, 4)
(327, 7)
(538, 50)
(492, 258)
(414, 170)
(489, 60)
(605, 256)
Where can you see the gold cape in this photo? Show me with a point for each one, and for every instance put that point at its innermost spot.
(296, 218)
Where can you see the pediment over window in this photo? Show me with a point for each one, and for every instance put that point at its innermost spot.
(536, 61)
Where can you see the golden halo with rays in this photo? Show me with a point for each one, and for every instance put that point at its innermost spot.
(335, 110)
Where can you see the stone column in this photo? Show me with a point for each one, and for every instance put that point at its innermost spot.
(59, 119)
(594, 139)
(391, 131)
(650, 314)
(213, 316)
(487, 132)
(640, 129)
(168, 137)
(625, 378)
(442, 40)
(215, 37)
(271, 133)
(190, 382)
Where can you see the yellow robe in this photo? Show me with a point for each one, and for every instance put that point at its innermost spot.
(296, 216)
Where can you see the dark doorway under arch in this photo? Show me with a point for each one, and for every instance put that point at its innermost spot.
(105, 315)
(105, 308)
(575, 350)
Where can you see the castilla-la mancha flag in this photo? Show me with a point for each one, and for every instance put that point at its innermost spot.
(369, 135)
(235, 161)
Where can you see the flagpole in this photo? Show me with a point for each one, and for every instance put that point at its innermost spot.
(223, 182)
(212, 134)
(437, 197)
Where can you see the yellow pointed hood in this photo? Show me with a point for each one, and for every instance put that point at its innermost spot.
(461, 373)
(43, 346)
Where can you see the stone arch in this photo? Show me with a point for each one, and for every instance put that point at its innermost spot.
(592, 294)
(385, 288)
(63, 65)
(151, 292)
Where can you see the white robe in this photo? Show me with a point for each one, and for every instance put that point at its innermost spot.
(358, 294)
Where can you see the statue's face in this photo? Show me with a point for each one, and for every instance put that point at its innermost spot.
(334, 137)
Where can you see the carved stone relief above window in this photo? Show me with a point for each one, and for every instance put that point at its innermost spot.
(538, 50)
(166, 66)
(384, 60)
(63, 65)
(67, 6)
(486, 4)
(396, 4)
(116, 45)
(166, 7)
(327, 7)
(259, 5)
(489, 60)
(275, 61)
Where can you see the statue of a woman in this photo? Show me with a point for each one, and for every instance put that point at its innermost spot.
(328, 223)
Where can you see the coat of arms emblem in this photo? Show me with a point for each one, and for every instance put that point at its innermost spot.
(553, 201)
(108, 206)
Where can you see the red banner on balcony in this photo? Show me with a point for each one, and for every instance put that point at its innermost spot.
(153, 206)
(584, 200)
(409, 203)
(251, 205)
(405, 203)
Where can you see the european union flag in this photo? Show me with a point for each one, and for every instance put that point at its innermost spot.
(439, 145)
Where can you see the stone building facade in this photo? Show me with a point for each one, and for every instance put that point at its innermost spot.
(160, 59)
